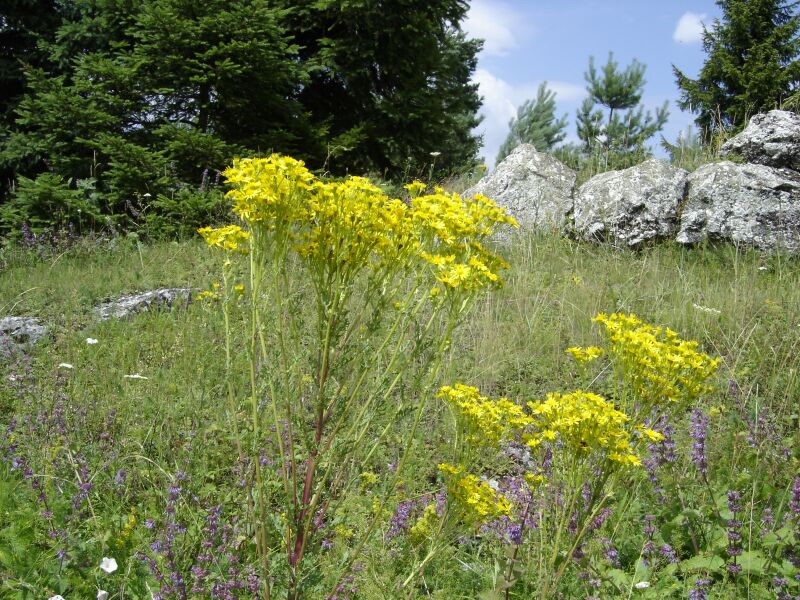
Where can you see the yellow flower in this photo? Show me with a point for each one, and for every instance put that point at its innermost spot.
(650, 434)
(486, 421)
(585, 423)
(415, 188)
(230, 238)
(535, 481)
(474, 501)
(585, 355)
(657, 364)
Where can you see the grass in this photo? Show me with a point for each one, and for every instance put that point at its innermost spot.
(741, 307)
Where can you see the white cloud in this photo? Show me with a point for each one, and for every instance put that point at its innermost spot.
(494, 23)
(689, 29)
(500, 102)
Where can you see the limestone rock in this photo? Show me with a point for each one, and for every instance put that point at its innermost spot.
(771, 139)
(745, 204)
(535, 188)
(19, 333)
(629, 207)
(125, 306)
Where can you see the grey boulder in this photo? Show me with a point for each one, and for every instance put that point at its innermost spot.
(125, 306)
(747, 204)
(534, 188)
(771, 139)
(19, 333)
(632, 206)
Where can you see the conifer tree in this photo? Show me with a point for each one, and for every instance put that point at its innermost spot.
(389, 83)
(142, 94)
(535, 124)
(615, 134)
(751, 66)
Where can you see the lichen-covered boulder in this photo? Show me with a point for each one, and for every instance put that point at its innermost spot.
(19, 333)
(125, 306)
(771, 139)
(746, 204)
(535, 188)
(632, 206)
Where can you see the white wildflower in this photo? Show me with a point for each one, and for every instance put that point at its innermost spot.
(435, 154)
(707, 309)
(91, 341)
(102, 595)
(135, 376)
(65, 366)
(108, 565)
(642, 585)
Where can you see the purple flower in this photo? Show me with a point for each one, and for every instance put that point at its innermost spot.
(699, 432)
(698, 592)
(794, 502)
(669, 553)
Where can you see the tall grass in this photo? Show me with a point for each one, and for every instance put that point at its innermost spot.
(167, 432)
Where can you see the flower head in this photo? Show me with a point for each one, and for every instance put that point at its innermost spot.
(108, 565)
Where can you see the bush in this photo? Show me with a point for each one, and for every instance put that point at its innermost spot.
(181, 213)
(48, 202)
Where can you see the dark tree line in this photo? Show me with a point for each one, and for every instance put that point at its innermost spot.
(113, 102)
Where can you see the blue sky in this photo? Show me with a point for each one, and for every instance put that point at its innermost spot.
(530, 41)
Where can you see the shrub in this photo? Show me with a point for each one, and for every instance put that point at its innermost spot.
(48, 202)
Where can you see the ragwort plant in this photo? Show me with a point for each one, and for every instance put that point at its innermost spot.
(390, 280)
(580, 448)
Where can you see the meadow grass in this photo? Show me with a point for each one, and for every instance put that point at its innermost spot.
(741, 307)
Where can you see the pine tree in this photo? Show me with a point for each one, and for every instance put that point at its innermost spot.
(751, 66)
(535, 124)
(617, 136)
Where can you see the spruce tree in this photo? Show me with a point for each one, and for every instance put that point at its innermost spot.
(143, 96)
(602, 125)
(751, 66)
(389, 83)
(535, 124)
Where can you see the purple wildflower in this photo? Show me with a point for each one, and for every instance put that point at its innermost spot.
(699, 432)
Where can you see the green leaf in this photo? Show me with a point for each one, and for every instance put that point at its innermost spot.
(702, 563)
(752, 562)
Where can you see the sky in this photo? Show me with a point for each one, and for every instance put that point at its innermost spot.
(530, 41)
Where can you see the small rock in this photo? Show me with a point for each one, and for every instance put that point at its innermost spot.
(125, 306)
(19, 333)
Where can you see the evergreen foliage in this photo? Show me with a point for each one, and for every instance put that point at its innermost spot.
(389, 83)
(618, 137)
(535, 124)
(752, 64)
(145, 96)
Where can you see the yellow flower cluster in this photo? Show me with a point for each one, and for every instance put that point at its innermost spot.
(350, 222)
(586, 423)
(485, 420)
(474, 499)
(271, 190)
(655, 362)
(342, 226)
(230, 238)
(452, 227)
(585, 355)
